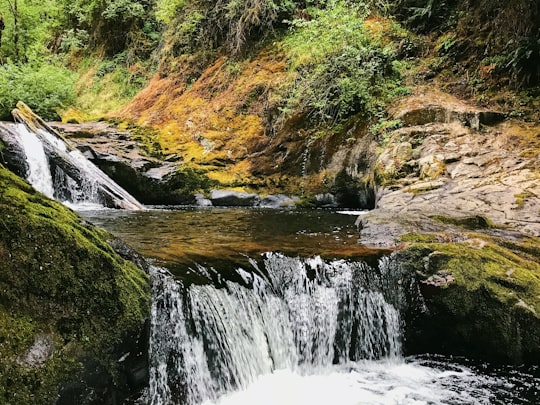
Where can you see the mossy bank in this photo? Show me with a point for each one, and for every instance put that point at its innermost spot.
(481, 294)
(72, 311)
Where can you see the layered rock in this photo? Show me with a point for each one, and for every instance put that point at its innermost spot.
(449, 167)
(460, 198)
(117, 152)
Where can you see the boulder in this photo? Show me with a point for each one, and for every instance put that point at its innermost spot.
(278, 201)
(73, 311)
(225, 198)
(479, 300)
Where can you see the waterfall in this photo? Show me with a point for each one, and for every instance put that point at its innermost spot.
(39, 173)
(284, 313)
(64, 173)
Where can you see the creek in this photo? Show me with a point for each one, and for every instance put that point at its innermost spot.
(258, 306)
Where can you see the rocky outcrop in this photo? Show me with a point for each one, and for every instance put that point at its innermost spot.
(120, 156)
(451, 168)
(459, 197)
(480, 296)
(73, 312)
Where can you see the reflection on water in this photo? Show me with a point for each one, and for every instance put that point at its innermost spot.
(195, 235)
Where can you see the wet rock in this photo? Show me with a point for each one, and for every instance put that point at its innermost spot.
(11, 153)
(278, 201)
(326, 200)
(233, 198)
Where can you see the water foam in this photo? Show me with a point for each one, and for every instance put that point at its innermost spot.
(303, 316)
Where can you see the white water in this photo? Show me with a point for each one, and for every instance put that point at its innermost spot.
(301, 318)
(39, 172)
(89, 191)
(296, 331)
(364, 382)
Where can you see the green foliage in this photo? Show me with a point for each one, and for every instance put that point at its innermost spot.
(109, 25)
(30, 27)
(383, 129)
(425, 15)
(196, 24)
(524, 61)
(342, 69)
(74, 40)
(166, 10)
(445, 44)
(44, 88)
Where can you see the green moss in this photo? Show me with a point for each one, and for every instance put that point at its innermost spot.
(494, 267)
(59, 277)
(470, 222)
(146, 137)
(489, 309)
(419, 237)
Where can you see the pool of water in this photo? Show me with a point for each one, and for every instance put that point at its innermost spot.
(183, 236)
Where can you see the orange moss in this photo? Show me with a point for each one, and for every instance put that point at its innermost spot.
(378, 26)
(216, 123)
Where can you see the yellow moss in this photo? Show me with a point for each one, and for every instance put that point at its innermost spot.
(504, 270)
(521, 198)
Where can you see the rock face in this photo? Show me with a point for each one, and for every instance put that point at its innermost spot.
(72, 311)
(447, 166)
(460, 198)
(150, 180)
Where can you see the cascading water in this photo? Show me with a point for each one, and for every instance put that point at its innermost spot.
(301, 315)
(63, 173)
(39, 173)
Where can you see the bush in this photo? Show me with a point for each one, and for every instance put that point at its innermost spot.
(44, 88)
(196, 25)
(342, 69)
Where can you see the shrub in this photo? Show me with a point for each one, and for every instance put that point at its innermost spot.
(44, 88)
(196, 25)
(342, 69)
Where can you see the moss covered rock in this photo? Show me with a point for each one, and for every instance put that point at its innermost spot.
(481, 297)
(70, 306)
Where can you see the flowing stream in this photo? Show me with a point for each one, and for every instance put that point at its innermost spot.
(241, 322)
(254, 306)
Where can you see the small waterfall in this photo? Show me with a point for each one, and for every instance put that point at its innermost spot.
(39, 173)
(286, 313)
(64, 173)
